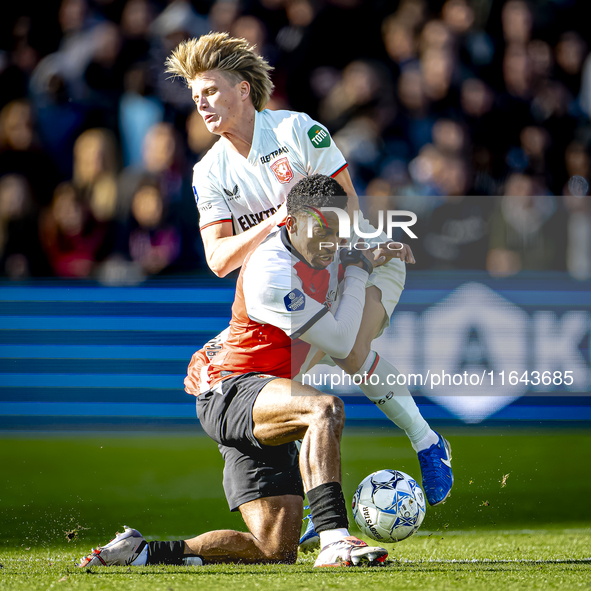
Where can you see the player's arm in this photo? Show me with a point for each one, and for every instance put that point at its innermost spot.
(276, 297)
(225, 252)
(404, 253)
(319, 160)
(336, 335)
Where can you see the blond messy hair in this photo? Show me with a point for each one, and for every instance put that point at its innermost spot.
(229, 55)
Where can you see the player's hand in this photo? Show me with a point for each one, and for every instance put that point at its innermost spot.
(370, 260)
(280, 215)
(373, 255)
(386, 254)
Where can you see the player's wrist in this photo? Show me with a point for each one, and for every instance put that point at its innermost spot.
(356, 258)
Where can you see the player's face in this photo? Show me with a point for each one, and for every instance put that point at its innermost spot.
(219, 100)
(320, 249)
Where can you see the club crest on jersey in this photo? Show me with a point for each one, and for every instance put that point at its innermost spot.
(282, 170)
(295, 300)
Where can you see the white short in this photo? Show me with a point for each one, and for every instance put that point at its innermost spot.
(390, 279)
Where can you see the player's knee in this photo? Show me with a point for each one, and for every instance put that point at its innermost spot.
(279, 552)
(353, 363)
(330, 410)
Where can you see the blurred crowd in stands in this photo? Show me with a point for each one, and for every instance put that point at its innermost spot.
(472, 113)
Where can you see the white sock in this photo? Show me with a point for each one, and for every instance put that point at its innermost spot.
(332, 535)
(430, 439)
(193, 561)
(142, 557)
(395, 401)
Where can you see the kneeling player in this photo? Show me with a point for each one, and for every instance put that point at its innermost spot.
(249, 404)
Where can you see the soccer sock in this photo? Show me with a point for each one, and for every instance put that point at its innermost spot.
(395, 401)
(329, 512)
(166, 552)
(187, 559)
(332, 535)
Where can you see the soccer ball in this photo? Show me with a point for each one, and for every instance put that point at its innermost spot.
(388, 506)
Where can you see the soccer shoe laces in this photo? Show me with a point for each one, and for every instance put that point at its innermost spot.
(430, 463)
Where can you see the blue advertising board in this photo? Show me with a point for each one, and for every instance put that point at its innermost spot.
(470, 348)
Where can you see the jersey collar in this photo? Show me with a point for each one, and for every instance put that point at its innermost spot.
(253, 155)
(288, 246)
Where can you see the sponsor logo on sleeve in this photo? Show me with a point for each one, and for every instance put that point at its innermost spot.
(234, 193)
(282, 170)
(319, 137)
(295, 300)
(195, 193)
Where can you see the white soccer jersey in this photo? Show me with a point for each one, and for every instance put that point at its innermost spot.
(278, 298)
(286, 147)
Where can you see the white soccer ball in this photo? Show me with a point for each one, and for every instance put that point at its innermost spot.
(389, 506)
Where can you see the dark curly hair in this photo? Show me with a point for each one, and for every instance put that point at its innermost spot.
(317, 190)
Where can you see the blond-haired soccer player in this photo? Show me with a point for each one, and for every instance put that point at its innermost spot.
(241, 186)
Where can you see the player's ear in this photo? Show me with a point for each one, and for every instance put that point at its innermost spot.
(244, 89)
(291, 224)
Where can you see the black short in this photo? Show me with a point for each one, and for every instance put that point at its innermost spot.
(252, 471)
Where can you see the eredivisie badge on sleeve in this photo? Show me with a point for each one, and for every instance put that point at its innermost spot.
(282, 170)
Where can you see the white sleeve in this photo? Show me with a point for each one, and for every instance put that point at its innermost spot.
(281, 303)
(211, 203)
(335, 335)
(318, 151)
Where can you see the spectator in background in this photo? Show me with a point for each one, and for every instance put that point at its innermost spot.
(450, 138)
(399, 42)
(17, 64)
(161, 165)
(20, 152)
(412, 127)
(578, 256)
(517, 23)
(514, 102)
(477, 102)
(578, 249)
(570, 53)
(136, 18)
(528, 230)
(103, 77)
(476, 49)
(94, 177)
(457, 234)
(21, 254)
(72, 239)
(148, 240)
(76, 49)
(139, 110)
(437, 68)
(358, 109)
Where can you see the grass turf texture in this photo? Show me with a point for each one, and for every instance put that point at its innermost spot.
(84, 489)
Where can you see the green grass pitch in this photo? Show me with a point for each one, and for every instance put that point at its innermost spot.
(60, 496)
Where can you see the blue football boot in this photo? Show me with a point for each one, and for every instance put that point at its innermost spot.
(310, 540)
(436, 470)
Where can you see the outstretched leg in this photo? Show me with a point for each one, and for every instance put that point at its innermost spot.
(396, 402)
